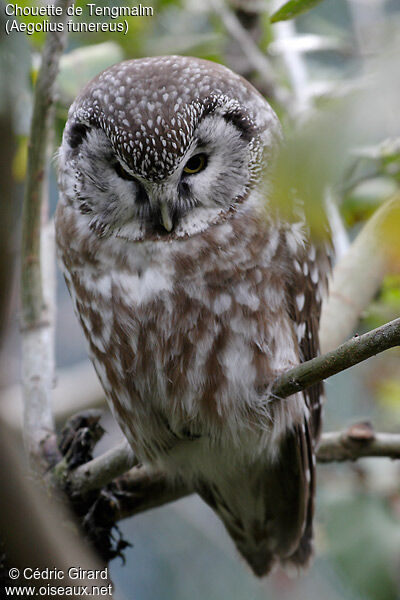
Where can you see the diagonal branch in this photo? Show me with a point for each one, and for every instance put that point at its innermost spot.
(252, 53)
(352, 352)
(101, 470)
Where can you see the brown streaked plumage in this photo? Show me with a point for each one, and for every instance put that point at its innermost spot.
(193, 293)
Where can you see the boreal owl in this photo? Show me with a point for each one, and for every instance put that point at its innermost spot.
(194, 293)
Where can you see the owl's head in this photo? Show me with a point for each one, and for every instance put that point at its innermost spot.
(164, 146)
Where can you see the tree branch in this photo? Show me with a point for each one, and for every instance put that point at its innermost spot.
(103, 469)
(357, 442)
(37, 302)
(352, 352)
(141, 489)
(295, 67)
(36, 180)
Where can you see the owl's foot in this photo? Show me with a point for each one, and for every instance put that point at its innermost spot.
(97, 509)
(79, 436)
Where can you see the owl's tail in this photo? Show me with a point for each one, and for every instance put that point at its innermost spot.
(268, 508)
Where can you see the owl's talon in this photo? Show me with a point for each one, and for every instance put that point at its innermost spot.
(79, 436)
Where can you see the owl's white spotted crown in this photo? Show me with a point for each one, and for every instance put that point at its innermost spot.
(150, 107)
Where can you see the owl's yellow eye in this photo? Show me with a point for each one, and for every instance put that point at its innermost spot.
(195, 164)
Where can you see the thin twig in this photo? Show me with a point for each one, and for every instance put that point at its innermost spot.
(352, 352)
(346, 445)
(36, 313)
(295, 67)
(254, 56)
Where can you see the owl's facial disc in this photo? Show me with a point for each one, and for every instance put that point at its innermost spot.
(207, 180)
(164, 146)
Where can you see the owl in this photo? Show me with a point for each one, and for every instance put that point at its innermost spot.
(194, 293)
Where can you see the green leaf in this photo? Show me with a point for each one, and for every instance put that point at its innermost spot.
(19, 161)
(312, 158)
(292, 9)
(365, 197)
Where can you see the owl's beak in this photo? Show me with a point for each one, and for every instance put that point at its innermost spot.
(165, 216)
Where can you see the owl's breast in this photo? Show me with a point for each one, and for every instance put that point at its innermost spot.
(186, 336)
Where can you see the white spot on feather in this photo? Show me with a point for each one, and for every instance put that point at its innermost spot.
(312, 253)
(139, 290)
(222, 303)
(314, 274)
(300, 299)
(301, 329)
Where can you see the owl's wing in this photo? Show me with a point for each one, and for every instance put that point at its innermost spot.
(263, 506)
(305, 293)
(268, 507)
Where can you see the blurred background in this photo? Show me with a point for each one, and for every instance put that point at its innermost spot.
(337, 65)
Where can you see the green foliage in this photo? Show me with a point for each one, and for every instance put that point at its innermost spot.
(313, 158)
(365, 196)
(373, 176)
(292, 9)
(387, 305)
(20, 158)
